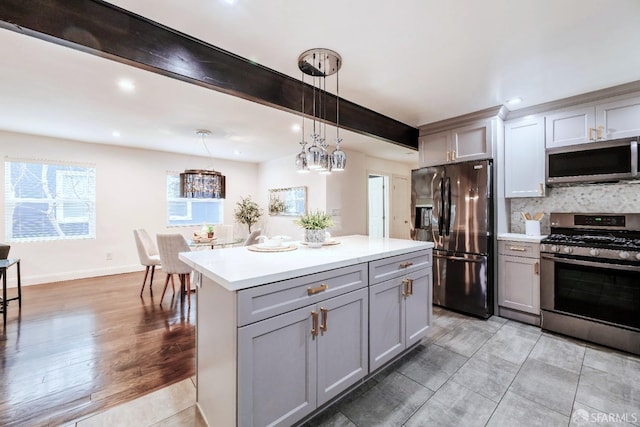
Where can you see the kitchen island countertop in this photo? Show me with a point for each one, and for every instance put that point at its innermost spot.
(239, 268)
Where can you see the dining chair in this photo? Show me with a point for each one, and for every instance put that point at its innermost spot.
(169, 246)
(148, 254)
(251, 240)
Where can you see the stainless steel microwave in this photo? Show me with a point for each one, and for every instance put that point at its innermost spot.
(595, 162)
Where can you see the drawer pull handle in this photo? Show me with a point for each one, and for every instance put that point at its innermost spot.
(406, 264)
(323, 325)
(313, 291)
(314, 323)
(407, 287)
(517, 248)
(536, 268)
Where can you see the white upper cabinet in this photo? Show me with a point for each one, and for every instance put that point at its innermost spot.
(471, 142)
(619, 118)
(570, 127)
(524, 157)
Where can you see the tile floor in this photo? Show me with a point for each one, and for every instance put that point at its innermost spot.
(467, 372)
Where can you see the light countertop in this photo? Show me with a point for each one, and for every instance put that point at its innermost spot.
(517, 237)
(239, 268)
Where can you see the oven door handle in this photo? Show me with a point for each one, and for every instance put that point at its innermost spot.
(602, 264)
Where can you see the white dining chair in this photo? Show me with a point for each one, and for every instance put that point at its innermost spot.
(170, 246)
(148, 254)
(252, 239)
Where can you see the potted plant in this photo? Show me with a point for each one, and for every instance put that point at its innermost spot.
(210, 231)
(247, 212)
(315, 223)
(276, 206)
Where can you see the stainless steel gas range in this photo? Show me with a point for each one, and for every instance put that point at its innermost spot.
(590, 278)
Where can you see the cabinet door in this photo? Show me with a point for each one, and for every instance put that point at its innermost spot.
(277, 370)
(519, 283)
(472, 142)
(618, 119)
(343, 346)
(418, 307)
(524, 158)
(570, 127)
(435, 149)
(386, 322)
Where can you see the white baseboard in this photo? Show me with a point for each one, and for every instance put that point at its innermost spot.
(71, 275)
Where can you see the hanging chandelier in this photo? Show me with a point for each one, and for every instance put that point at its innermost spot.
(202, 183)
(320, 63)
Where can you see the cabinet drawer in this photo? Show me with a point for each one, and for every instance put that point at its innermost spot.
(522, 249)
(262, 302)
(395, 266)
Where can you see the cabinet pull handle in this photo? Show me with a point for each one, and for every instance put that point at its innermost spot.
(453, 155)
(406, 264)
(323, 325)
(314, 323)
(517, 248)
(448, 156)
(407, 287)
(541, 189)
(591, 134)
(600, 129)
(313, 291)
(536, 268)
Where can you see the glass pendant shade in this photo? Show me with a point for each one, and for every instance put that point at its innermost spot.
(338, 160)
(301, 162)
(314, 157)
(202, 184)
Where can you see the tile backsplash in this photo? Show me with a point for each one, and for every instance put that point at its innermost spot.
(621, 197)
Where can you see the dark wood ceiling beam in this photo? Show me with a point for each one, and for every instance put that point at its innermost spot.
(104, 29)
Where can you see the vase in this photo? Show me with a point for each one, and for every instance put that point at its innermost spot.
(314, 238)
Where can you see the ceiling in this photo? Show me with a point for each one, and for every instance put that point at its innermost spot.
(417, 61)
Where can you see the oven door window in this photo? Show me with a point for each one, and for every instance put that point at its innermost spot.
(600, 293)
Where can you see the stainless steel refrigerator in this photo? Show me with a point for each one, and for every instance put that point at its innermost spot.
(457, 200)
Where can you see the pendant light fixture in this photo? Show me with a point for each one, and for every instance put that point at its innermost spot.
(320, 63)
(202, 183)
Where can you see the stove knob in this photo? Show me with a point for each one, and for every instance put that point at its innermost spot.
(544, 248)
(568, 249)
(638, 256)
(594, 252)
(624, 255)
(554, 248)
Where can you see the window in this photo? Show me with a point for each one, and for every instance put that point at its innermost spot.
(182, 211)
(49, 201)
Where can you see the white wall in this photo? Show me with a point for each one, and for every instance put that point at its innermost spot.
(130, 193)
(343, 194)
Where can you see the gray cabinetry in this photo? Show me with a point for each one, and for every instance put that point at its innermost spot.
(470, 142)
(292, 363)
(400, 307)
(303, 342)
(519, 280)
(524, 166)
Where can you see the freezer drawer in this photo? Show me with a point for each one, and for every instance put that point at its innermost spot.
(461, 283)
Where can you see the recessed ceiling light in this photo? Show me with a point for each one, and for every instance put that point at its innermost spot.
(514, 101)
(295, 128)
(115, 134)
(126, 85)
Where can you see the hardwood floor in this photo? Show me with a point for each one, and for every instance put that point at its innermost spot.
(78, 347)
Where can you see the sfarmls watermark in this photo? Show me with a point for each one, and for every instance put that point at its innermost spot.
(583, 417)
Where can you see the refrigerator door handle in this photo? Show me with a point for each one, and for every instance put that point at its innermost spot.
(476, 258)
(447, 189)
(442, 217)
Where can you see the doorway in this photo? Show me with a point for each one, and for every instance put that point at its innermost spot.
(378, 205)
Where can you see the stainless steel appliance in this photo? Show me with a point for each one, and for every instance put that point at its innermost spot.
(461, 218)
(590, 278)
(601, 162)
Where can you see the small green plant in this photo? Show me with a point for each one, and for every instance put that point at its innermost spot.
(316, 220)
(247, 212)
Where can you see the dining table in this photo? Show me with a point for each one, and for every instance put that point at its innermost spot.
(4, 266)
(214, 243)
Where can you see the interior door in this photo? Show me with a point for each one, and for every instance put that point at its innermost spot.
(401, 208)
(377, 206)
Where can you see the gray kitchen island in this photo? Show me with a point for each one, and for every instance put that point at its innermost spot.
(281, 335)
